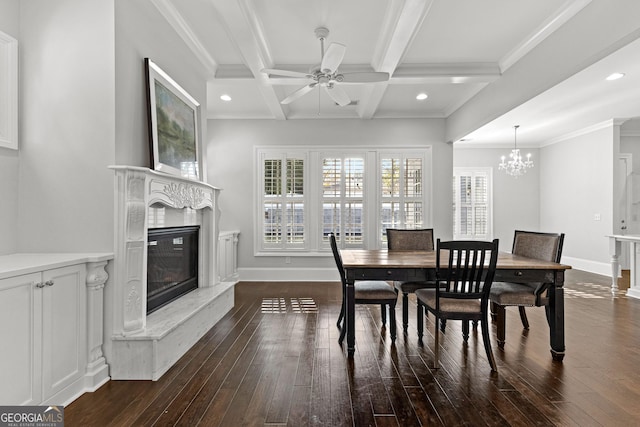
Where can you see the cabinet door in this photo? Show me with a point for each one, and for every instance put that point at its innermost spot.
(20, 322)
(63, 328)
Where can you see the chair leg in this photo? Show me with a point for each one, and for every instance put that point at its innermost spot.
(500, 327)
(523, 318)
(487, 343)
(343, 331)
(341, 316)
(383, 313)
(405, 311)
(392, 322)
(443, 324)
(547, 311)
(494, 310)
(436, 350)
(465, 330)
(420, 320)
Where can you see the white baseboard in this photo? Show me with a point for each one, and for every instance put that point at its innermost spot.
(597, 267)
(289, 274)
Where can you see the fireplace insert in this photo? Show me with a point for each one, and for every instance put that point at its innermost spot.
(172, 264)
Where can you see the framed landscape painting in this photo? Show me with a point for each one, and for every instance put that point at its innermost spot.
(173, 124)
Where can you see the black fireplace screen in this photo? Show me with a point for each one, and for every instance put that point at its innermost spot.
(172, 264)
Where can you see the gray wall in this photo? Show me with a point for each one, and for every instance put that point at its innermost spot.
(516, 201)
(576, 183)
(236, 139)
(67, 126)
(9, 24)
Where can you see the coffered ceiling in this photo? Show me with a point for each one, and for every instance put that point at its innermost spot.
(448, 49)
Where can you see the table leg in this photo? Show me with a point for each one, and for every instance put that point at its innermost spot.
(556, 317)
(350, 318)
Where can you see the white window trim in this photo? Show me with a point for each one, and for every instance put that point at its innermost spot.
(427, 199)
(488, 171)
(313, 192)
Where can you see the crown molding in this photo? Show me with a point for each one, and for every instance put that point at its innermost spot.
(175, 19)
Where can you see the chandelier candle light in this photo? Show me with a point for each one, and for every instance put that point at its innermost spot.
(515, 166)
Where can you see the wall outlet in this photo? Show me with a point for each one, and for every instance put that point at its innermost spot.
(596, 217)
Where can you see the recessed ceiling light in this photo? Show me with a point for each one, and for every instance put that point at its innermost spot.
(615, 76)
(422, 96)
(225, 97)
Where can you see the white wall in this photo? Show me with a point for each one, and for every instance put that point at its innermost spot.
(67, 126)
(576, 183)
(516, 201)
(231, 167)
(9, 24)
(141, 32)
(630, 144)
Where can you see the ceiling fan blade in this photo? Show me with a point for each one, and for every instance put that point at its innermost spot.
(338, 95)
(286, 73)
(368, 77)
(333, 57)
(298, 93)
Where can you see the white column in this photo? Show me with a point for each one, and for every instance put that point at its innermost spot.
(614, 251)
(97, 368)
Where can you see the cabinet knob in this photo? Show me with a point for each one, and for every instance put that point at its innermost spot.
(39, 285)
(49, 283)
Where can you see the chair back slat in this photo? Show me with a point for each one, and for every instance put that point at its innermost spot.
(469, 271)
(410, 240)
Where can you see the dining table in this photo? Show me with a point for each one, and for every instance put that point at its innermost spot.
(382, 264)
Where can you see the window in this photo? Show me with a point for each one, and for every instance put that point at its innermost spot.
(472, 203)
(343, 199)
(401, 192)
(283, 201)
(305, 193)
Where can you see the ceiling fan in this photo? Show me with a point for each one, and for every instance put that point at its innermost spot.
(326, 74)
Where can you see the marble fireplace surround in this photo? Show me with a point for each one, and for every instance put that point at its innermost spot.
(141, 346)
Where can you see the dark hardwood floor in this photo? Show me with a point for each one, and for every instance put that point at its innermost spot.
(274, 360)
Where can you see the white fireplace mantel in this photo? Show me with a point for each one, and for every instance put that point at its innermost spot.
(141, 346)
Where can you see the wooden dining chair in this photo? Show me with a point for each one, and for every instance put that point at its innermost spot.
(464, 281)
(366, 292)
(409, 240)
(531, 244)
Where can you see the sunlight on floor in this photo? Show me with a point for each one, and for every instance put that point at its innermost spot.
(295, 305)
(590, 290)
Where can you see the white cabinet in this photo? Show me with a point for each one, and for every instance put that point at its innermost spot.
(64, 328)
(228, 256)
(20, 316)
(45, 329)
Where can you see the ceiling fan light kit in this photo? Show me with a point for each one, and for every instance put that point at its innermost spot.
(326, 74)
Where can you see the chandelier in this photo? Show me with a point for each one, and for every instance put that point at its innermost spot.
(515, 166)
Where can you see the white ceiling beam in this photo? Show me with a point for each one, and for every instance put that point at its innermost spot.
(245, 30)
(445, 73)
(403, 22)
(567, 11)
